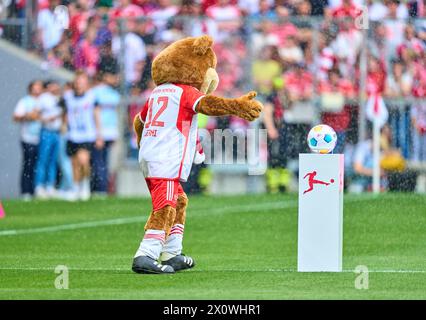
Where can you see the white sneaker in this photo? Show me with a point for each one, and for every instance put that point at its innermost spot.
(84, 195)
(51, 192)
(67, 195)
(71, 196)
(85, 190)
(40, 193)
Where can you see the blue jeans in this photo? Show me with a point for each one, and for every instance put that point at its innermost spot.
(65, 166)
(47, 158)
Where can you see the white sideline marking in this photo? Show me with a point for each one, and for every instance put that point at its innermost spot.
(129, 220)
(213, 270)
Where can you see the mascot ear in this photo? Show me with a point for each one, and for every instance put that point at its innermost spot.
(202, 44)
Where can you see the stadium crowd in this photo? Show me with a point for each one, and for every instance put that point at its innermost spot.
(301, 56)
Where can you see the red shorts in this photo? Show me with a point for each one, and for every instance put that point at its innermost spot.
(164, 192)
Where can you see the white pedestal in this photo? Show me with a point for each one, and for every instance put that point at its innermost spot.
(320, 228)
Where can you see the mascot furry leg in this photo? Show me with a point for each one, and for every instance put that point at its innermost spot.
(173, 246)
(164, 231)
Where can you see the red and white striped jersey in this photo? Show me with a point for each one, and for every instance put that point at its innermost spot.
(170, 132)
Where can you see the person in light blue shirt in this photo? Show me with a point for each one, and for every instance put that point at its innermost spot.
(27, 114)
(108, 100)
(51, 118)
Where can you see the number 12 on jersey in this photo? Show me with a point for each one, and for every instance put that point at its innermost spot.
(161, 105)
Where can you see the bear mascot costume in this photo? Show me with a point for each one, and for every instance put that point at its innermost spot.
(166, 129)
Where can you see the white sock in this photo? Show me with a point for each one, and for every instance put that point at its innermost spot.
(79, 186)
(85, 184)
(83, 189)
(173, 245)
(151, 244)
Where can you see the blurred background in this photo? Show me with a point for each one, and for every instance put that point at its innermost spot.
(310, 61)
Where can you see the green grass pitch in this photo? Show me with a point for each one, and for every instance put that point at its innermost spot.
(245, 248)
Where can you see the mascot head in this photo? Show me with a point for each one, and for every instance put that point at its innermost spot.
(189, 61)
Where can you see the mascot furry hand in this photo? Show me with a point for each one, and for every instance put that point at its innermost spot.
(166, 129)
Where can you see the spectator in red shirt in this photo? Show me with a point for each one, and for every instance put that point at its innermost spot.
(299, 83)
(87, 53)
(348, 9)
(284, 30)
(125, 9)
(205, 4)
(79, 20)
(344, 16)
(147, 6)
(336, 112)
(419, 81)
(223, 9)
(42, 4)
(376, 76)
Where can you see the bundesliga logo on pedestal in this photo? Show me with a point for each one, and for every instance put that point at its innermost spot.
(312, 181)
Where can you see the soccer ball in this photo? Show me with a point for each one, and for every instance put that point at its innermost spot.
(322, 139)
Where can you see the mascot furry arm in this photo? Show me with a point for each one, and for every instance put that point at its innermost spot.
(244, 107)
